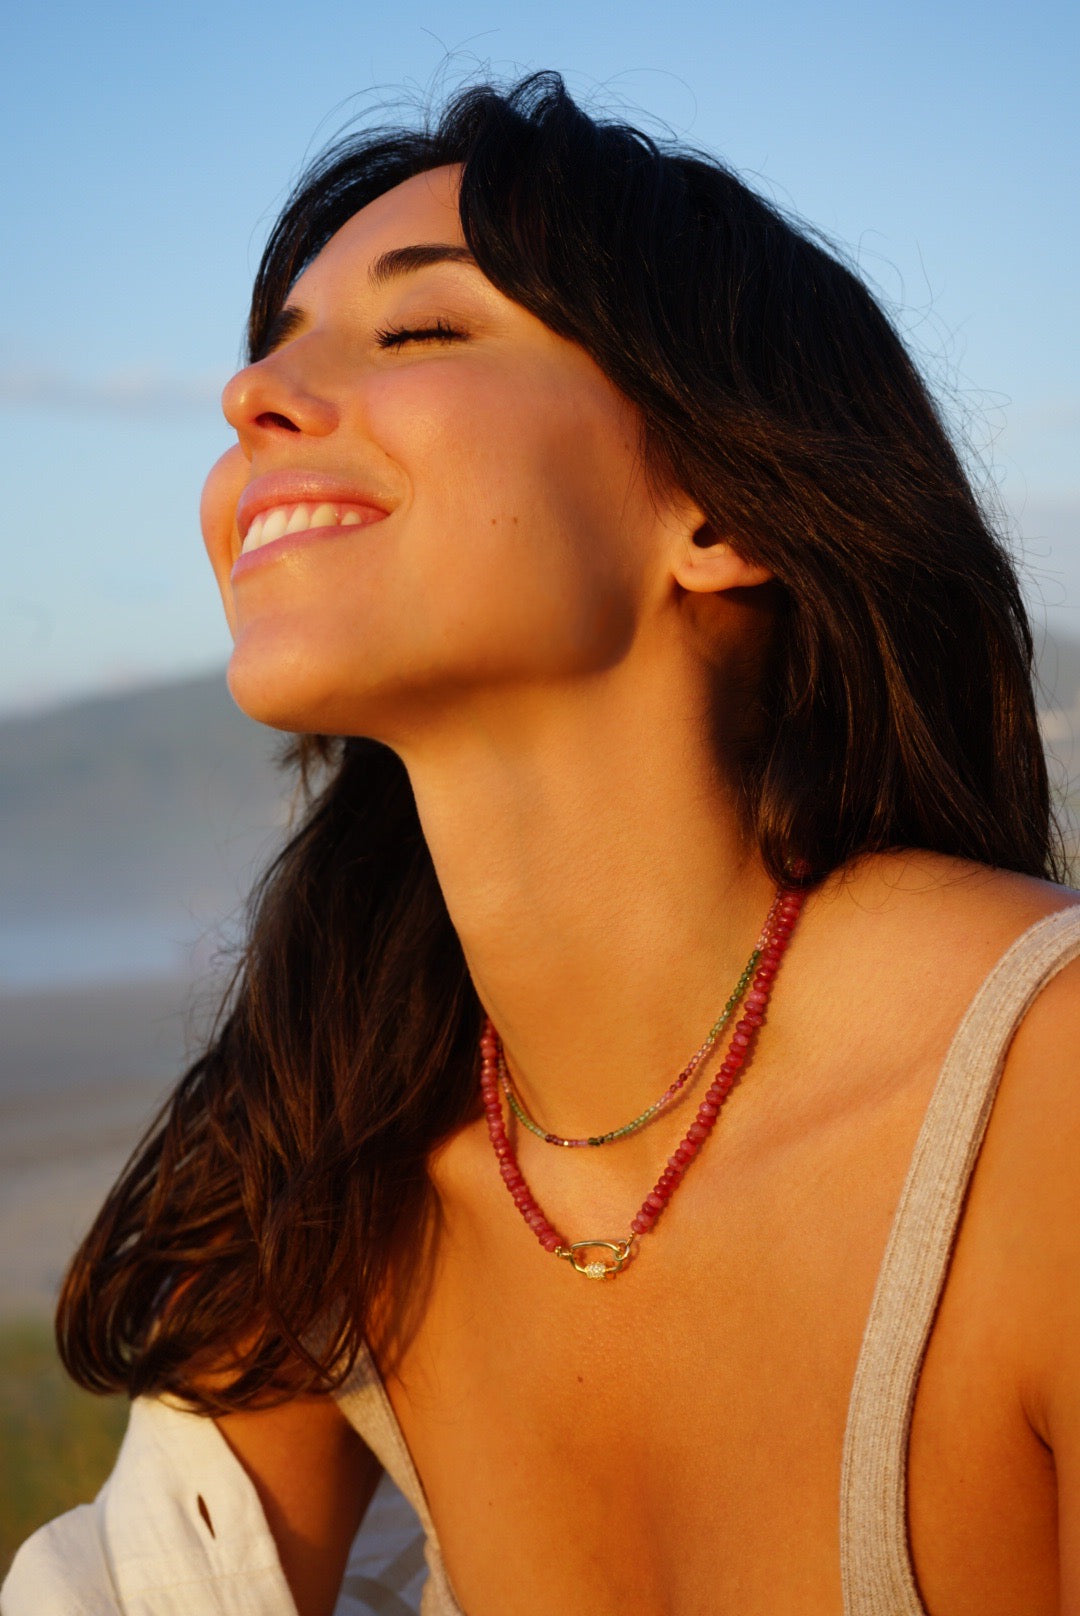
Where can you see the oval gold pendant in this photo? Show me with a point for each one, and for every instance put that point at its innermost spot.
(597, 1267)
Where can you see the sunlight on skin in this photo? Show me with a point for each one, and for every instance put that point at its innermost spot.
(523, 541)
(528, 608)
(525, 618)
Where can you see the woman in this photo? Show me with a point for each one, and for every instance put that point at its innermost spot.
(604, 514)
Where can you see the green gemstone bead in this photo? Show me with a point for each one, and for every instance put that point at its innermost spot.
(631, 1127)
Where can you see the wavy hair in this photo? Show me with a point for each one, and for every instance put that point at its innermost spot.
(284, 1184)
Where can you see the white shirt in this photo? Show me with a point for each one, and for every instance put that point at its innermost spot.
(178, 1530)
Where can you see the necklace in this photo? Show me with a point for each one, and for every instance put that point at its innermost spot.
(517, 1104)
(584, 1255)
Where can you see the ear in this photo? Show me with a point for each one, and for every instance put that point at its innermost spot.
(707, 563)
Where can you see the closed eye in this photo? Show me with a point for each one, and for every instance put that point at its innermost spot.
(396, 336)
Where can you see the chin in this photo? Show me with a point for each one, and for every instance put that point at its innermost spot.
(292, 685)
(291, 694)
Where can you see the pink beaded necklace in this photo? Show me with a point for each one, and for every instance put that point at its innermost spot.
(585, 1255)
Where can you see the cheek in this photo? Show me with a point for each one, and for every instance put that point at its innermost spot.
(527, 497)
(519, 554)
(217, 511)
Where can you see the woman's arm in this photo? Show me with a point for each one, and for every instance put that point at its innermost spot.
(315, 1478)
(1041, 1191)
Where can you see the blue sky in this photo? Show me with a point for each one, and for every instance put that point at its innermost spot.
(148, 147)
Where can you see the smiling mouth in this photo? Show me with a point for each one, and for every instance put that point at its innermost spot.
(279, 520)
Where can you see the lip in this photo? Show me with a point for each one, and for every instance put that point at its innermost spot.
(287, 541)
(302, 487)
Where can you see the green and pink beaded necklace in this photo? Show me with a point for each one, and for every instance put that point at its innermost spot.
(584, 1256)
(517, 1105)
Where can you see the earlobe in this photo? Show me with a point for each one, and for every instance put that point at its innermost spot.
(709, 563)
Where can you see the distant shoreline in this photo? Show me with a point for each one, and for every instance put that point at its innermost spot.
(82, 1072)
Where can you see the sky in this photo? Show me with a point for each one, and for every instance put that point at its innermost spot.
(147, 149)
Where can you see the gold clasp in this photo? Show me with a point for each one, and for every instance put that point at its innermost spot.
(597, 1268)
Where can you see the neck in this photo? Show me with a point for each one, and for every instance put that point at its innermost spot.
(589, 852)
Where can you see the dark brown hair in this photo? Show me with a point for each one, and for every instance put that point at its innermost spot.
(287, 1176)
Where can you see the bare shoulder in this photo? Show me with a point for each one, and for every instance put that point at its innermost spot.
(980, 913)
(934, 897)
(1040, 1092)
(1026, 1193)
(1019, 1251)
(913, 935)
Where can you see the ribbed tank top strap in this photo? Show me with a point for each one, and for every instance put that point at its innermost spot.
(878, 1578)
(366, 1406)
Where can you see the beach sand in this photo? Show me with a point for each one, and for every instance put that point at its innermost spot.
(82, 1071)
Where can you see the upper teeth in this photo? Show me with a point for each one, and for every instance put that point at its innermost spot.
(281, 519)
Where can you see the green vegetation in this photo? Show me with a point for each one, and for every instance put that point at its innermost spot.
(57, 1443)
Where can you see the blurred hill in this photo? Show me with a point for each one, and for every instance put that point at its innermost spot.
(150, 811)
(1059, 673)
(137, 813)
(1059, 680)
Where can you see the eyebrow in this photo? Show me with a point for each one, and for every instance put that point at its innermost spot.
(288, 321)
(403, 260)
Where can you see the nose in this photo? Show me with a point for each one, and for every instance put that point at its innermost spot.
(272, 400)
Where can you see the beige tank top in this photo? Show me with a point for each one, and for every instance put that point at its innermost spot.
(875, 1559)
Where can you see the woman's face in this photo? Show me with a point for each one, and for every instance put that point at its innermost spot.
(458, 492)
